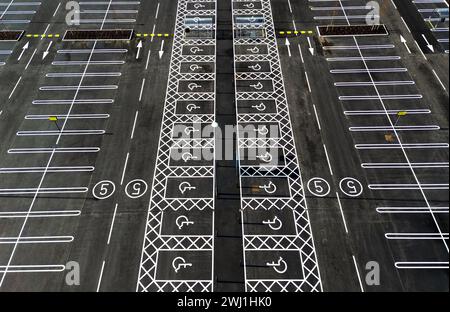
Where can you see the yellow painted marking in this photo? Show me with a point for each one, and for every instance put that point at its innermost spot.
(53, 118)
(402, 113)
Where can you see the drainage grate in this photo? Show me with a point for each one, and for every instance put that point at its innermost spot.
(101, 35)
(353, 30)
(11, 35)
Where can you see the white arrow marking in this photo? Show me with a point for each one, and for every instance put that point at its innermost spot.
(288, 45)
(47, 51)
(311, 49)
(429, 46)
(25, 47)
(139, 46)
(403, 40)
(161, 51)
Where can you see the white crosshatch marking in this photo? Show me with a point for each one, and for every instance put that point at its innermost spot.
(303, 240)
(154, 241)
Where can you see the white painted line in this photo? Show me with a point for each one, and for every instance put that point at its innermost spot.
(112, 224)
(415, 236)
(421, 265)
(405, 186)
(307, 81)
(134, 125)
(142, 90)
(317, 116)
(396, 128)
(328, 159)
(418, 47)
(148, 59)
(301, 53)
(406, 25)
(60, 133)
(31, 268)
(39, 150)
(31, 58)
(342, 212)
(15, 87)
(45, 31)
(41, 190)
(36, 240)
(357, 272)
(290, 6)
(56, 10)
(124, 169)
(404, 146)
(440, 81)
(101, 276)
(157, 11)
(409, 210)
(40, 214)
(50, 169)
(404, 165)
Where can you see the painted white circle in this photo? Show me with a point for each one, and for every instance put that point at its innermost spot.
(214, 124)
(104, 189)
(136, 191)
(319, 187)
(351, 187)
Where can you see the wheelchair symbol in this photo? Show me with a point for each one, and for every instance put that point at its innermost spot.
(186, 186)
(257, 86)
(181, 221)
(269, 188)
(195, 50)
(280, 266)
(274, 224)
(180, 263)
(189, 130)
(192, 86)
(195, 67)
(191, 107)
(253, 50)
(262, 130)
(267, 157)
(188, 156)
(260, 107)
(198, 6)
(256, 67)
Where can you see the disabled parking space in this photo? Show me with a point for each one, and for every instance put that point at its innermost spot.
(194, 107)
(269, 222)
(274, 265)
(180, 157)
(189, 187)
(256, 85)
(184, 265)
(251, 67)
(196, 86)
(262, 156)
(256, 106)
(187, 222)
(192, 130)
(265, 187)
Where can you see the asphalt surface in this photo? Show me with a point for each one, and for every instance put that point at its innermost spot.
(358, 136)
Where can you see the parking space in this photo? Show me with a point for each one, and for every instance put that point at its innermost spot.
(435, 16)
(178, 244)
(402, 149)
(278, 248)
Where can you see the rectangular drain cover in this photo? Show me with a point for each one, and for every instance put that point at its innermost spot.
(11, 35)
(101, 35)
(353, 30)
